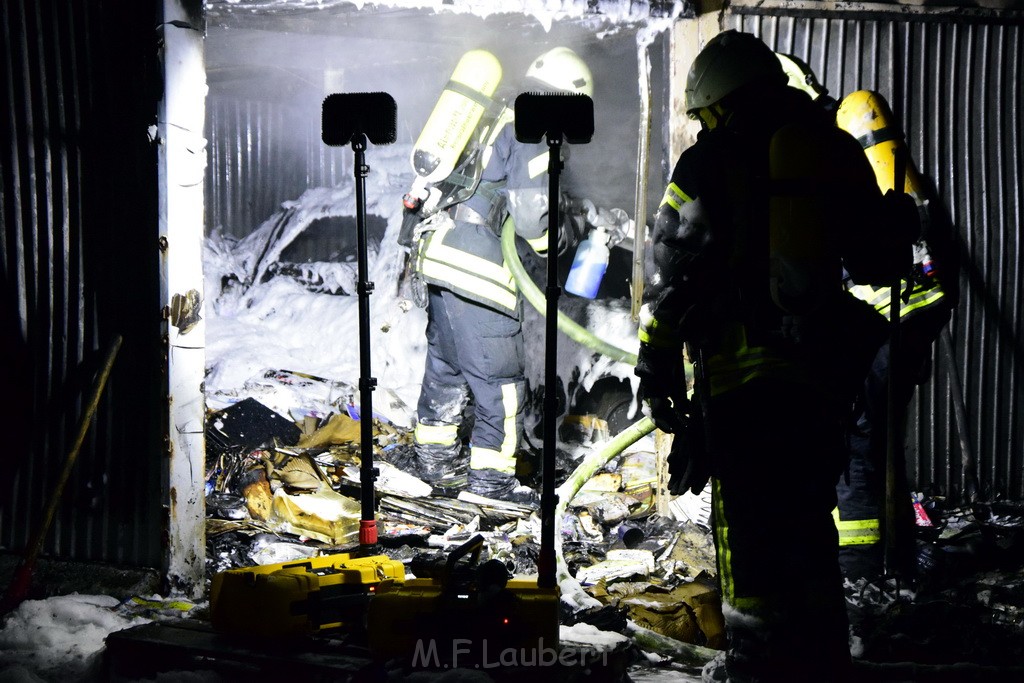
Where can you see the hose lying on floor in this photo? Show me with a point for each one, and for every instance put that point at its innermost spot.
(571, 590)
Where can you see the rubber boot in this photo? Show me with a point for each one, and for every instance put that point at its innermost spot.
(500, 486)
(443, 466)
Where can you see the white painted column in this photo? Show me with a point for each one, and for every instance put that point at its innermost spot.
(689, 36)
(182, 160)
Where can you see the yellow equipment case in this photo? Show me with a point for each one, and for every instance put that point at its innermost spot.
(464, 615)
(299, 598)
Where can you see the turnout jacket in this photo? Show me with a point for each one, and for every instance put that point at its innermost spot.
(464, 255)
(708, 281)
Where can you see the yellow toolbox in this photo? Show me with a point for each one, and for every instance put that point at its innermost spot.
(299, 598)
(475, 616)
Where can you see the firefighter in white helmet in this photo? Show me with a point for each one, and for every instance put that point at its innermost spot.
(757, 300)
(475, 344)
(560, 70)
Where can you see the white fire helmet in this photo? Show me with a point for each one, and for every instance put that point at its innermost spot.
(562, 69)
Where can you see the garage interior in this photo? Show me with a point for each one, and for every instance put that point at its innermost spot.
(268, 65)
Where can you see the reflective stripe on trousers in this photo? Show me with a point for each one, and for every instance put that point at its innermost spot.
(438, 435)
(503, 459)
(473, 349)
(856, 531)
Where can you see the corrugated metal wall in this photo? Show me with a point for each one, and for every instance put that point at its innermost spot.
(257, 161)
(80, 82)
(955, 85)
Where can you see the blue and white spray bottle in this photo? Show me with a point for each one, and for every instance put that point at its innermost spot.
(589, 265)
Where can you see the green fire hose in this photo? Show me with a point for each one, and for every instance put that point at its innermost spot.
(571, 589)
(532, 293)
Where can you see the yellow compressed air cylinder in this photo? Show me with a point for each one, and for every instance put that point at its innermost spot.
(803, 258)
(865, 115)
(455, 116)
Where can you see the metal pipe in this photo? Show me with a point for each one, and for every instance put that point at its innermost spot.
(960, 417)
(22, 581)
(640, 207)
(894, 408)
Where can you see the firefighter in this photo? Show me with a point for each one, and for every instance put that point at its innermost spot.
(861, 502)
(926, 305)
(475, 347)
(927, 296)
(760, 217)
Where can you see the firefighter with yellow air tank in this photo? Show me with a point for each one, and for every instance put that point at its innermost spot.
(472, 176)
(926, 302)
(757, 299)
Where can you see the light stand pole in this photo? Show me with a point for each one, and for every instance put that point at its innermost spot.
(354, 118)
(551, 117)
(367, 383)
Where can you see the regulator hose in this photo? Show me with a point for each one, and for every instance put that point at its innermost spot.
(567, 325)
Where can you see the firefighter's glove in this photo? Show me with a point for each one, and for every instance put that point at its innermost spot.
(662, 390)
(689, 465)
(905, 215)
(666, 412)
(407, 233)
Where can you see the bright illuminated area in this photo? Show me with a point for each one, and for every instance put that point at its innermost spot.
(270, 66)
(487, 341)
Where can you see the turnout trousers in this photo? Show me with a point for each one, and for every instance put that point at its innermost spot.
(860, 514)
(473, 351)
(778, 452)
(861, 490)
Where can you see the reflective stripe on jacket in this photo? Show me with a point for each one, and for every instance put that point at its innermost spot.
(448, 258)
(921, 297)
(737, 363)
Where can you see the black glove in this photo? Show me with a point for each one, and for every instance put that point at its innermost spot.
(906, 219)
(410, 219)
(689, 464)
(662, 390)
(667, 413)
(904, 229)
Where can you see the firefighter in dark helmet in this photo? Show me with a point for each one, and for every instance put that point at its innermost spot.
(745, 279)
(475, 347)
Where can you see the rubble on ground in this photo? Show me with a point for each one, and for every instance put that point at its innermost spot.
(285, 489)
(966, 603)
(282, 489)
